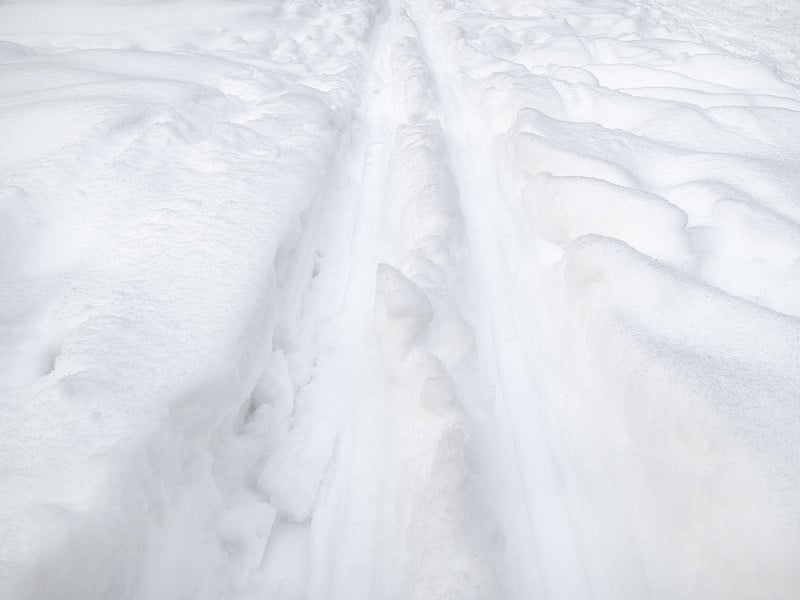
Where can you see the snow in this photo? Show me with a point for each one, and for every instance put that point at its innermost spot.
(404, 299)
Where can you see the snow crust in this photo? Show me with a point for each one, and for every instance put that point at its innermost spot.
(399, 300)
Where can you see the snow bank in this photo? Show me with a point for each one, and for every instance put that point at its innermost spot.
(652, 222)
(161, 163)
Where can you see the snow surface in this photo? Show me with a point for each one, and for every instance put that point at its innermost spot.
(358, 300)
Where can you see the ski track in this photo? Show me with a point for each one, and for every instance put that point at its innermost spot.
(399, 301)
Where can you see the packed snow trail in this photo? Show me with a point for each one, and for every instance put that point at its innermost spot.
(399, 300)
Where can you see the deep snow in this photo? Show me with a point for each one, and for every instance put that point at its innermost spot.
(399, 300)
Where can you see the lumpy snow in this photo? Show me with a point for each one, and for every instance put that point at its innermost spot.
(399, 300)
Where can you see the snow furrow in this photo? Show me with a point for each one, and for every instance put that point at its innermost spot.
(409, 527)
